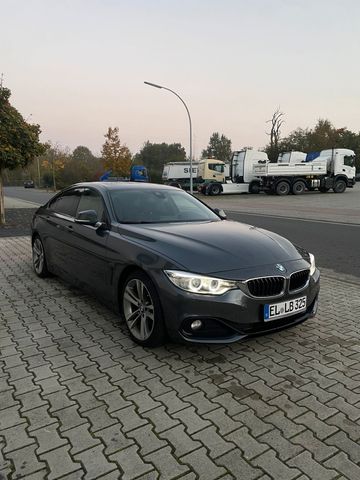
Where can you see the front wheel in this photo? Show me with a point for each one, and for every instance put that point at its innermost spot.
(141, 310)
(340, 186)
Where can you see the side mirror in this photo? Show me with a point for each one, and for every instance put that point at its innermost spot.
(87, 217)
(220, 213)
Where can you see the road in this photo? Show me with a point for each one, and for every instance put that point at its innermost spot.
(28, 194)
(335, 245)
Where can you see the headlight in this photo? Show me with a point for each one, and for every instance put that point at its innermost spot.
(191, 282)
(312, 264)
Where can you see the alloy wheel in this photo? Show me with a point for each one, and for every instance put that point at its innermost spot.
(38, 256)
(138, 309)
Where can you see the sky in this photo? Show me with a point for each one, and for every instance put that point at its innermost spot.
(77, 67)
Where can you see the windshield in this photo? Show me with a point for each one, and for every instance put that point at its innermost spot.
(158, 206)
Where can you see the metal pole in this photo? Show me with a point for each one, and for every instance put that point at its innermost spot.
(190, 124)
(38, 168)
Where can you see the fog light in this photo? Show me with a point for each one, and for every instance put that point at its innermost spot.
(196, 324)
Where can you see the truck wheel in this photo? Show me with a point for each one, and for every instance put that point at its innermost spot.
(340, 186)
(324, 189)
(214, 189)
(282, 188)
(298, 187)
(254, 187)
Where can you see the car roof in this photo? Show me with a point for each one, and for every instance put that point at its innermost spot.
(124, 185)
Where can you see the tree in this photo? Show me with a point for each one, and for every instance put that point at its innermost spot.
(83, 165)
(53, 163)
(276, 123)
(321, 137)
(19, 141)
(219, 147)
(115, 156)
(154, 155)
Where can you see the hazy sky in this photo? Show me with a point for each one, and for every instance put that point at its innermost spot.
(78, 67)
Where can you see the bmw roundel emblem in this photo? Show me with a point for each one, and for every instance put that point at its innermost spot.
(280, 267)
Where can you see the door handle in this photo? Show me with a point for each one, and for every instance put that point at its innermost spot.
(70, 228)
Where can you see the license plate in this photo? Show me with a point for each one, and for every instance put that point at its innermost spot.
(284, 309)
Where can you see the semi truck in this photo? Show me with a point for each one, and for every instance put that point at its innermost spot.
(138, 173)
(178, 173)
(331, 169)
(240, 177)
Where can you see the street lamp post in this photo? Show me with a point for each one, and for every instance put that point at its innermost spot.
(190, 124)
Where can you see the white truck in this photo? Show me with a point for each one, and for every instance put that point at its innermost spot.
(241, 177)
(332, 169)
(179, 173)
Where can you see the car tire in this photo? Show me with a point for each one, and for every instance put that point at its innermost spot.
(214, 189)
(282, 188)
(254, 188)
(141, 310)
(39, 258)
(298, 187)
(340, 186)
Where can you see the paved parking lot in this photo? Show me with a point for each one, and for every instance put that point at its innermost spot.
(331, 207)
(78, 399)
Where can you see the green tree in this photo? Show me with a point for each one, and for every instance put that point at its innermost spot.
(154, 156)
(19, 141)
(52, 164)
(82, 166)
(219, 147)
(115, 156)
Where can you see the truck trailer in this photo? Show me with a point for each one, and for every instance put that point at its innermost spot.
(179, 173)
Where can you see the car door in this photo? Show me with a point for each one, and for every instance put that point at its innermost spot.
(90, 245)
(60, 219)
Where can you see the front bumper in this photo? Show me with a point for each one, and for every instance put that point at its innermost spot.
(230, 317)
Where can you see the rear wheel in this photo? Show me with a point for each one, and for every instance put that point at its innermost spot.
(38, 258)
(298, 187)
(282, 188)
(142, 310)
(254, 187)
(214, 189)
(340, 186)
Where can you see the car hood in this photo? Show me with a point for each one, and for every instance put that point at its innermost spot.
(213, 247)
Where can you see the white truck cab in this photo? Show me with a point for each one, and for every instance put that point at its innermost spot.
(241, 177)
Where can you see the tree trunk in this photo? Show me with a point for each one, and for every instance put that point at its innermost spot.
(2, 200)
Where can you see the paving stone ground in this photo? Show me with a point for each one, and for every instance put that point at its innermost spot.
(78, 399)
(18, 222)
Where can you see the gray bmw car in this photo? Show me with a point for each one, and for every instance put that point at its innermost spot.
(172, 266)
